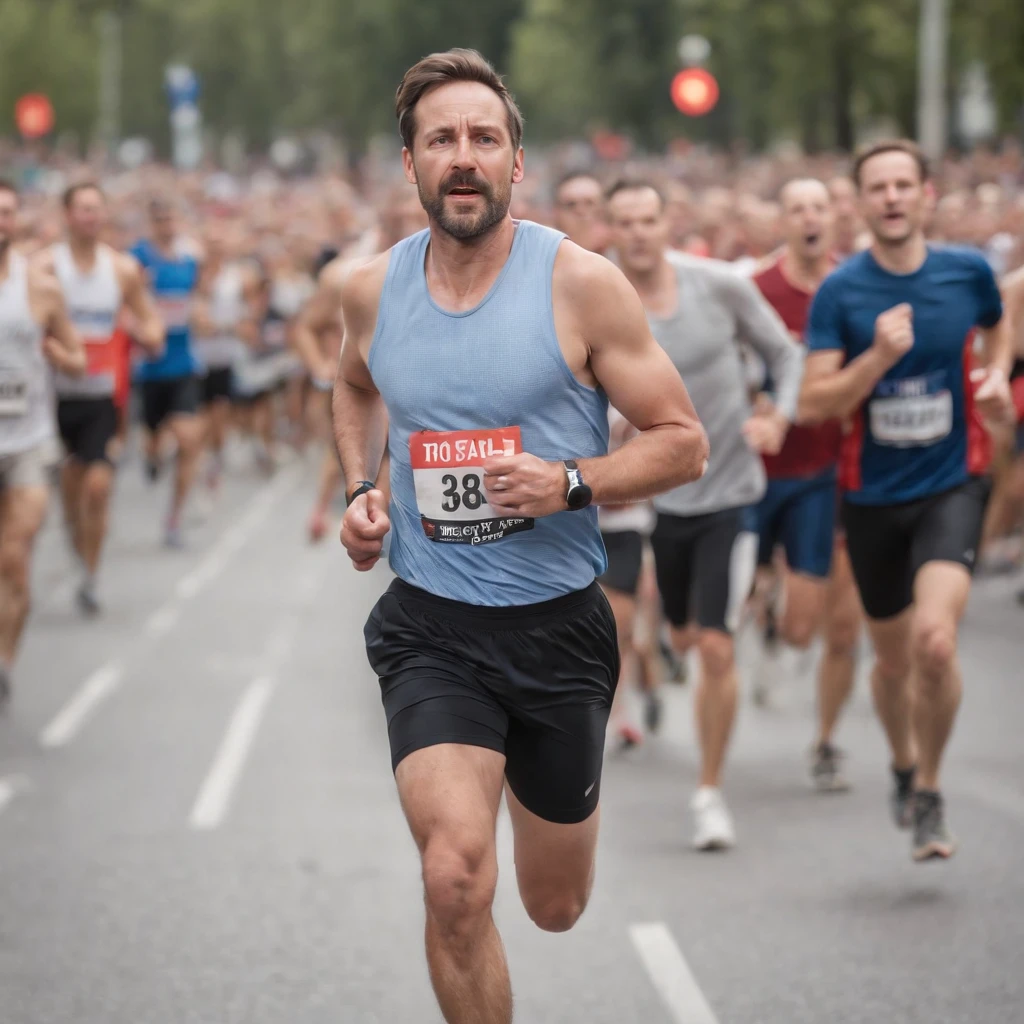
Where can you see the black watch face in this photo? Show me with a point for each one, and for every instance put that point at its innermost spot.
(578, 497)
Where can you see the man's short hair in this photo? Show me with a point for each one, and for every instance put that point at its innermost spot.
(874, 149)
(455, 65)
(575, 174)
(81, 186)
(634, 185)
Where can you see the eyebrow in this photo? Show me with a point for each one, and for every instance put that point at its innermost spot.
(477, 129)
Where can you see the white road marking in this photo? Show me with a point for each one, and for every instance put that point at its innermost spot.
(162, 620)
(83, 704)
(10, 787)
(671, 974)
(215, 795)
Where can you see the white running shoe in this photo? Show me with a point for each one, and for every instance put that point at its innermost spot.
(715, 830)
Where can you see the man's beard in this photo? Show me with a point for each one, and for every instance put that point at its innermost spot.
(465, 226)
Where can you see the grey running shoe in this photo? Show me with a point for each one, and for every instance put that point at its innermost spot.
(932, 838)
(174, 539)
(901, 799)
(88, 605)
(5, 688)
(826, 769)
(653, 712)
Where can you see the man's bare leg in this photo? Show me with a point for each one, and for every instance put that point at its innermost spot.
(451, 794)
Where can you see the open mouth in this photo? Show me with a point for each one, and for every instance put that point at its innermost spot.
(893, 218)
(811, 239)
(464, 191)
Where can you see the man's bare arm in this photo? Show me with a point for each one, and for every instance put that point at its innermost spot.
(62, 345)
(320, 314)
(833, 391)
(359, 415)
(148, 330)
(1012, 289)
(641, 381)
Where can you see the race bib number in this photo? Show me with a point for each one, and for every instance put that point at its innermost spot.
(911, 413)
(13, 393)
(447, 468)
(175, 311)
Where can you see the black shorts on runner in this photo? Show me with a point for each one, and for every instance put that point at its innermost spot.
(888, 544)
(625, 560)
(705, 567)
(533, 682)
(162, 399)
(87, 426)
(217, 385)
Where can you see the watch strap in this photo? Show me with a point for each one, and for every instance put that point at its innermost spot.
(362, 488)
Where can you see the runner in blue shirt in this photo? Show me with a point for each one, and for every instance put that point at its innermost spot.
(170, 384)
(893, 353)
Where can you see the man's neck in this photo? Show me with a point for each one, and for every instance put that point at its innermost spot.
(904, 257)
(166, 247)
(5, 260)
(459, 266)
(83, 251)
(650, 284)
(806, 274)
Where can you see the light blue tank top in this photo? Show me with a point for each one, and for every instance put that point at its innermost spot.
(456, 386)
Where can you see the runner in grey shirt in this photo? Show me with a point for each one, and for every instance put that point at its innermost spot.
(701, 311)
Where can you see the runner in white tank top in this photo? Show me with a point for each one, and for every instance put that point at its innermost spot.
(97, 283)
(34, 330)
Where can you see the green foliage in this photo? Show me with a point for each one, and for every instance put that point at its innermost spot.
(813, 70)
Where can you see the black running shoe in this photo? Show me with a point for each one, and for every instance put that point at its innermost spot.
(932, 838)
(827, 770)
(901, 799)
(87, 603)
(5, 688)
(653, 712)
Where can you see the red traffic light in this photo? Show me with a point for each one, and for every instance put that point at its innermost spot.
(34, 115)
(694, 91)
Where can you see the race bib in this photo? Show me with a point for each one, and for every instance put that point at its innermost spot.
(447, 468)
(911, 413)
(13, 393)
(175, 311)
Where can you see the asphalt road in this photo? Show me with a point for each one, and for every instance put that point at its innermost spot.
(198, 823)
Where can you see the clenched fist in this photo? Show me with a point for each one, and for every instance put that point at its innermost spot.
(364, 527)
(894, 332)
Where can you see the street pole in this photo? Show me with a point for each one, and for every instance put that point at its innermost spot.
(109, 127)
(931, 77)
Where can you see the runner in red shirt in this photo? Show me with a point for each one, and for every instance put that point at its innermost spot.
(798, 511)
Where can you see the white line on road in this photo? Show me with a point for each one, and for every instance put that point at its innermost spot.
(215, 795)
(671, 974)
(96, 689)
(10, 787)
(162, 620)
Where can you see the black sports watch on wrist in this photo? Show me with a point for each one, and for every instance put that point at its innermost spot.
(364, 486)
(578, 495)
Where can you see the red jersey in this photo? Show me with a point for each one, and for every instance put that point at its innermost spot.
(807, 451)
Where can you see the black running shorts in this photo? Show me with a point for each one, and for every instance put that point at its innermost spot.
(705, 567)
(173, 396)
(87, 426)
(888, 544)
(625, 560)
(534, 683)
(217, 385)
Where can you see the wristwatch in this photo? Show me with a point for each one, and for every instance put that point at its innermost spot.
(364, 486)
(578, 495)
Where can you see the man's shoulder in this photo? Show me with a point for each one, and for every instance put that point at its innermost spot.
(360, 285)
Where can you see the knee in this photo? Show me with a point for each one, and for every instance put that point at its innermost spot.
(841, 636)
(799, 631)
(459, 878)
(555, 911)
(934, 649)
(14, 559)
(717, 653)
(96, 488)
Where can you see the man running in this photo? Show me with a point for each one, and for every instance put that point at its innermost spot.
(485, 351)
(34, 330)
(891, 335)
(579, 210)
(97, 284)
(226, 289)
(700, 311)
(170, 383)
(798, 510)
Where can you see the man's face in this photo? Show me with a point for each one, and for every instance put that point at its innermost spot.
(893, 198)
(462, 160)
(8, 218)
(165, 225)
(87, 215)
(807, 219)
(579, 212)
(639, 228)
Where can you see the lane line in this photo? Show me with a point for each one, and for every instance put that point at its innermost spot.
(99, 686)
(215, 795)
(163, 620)
(10, 787)
(79, 709)
(671, 974)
